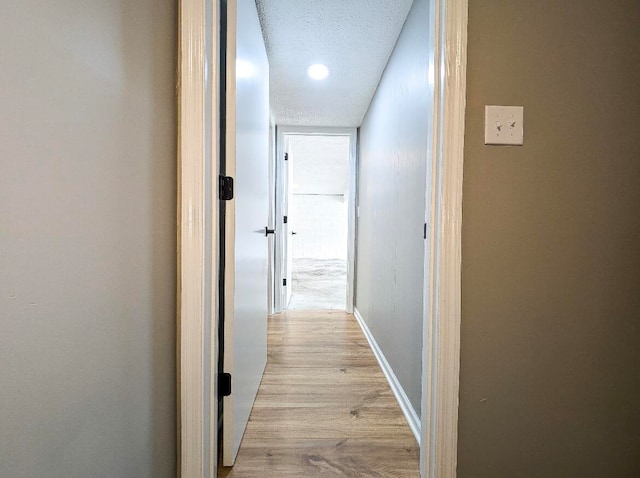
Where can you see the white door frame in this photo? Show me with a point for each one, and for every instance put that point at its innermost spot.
(442, 298)
(351, 133)
(197, 282)
(272, 213)
(198, 162)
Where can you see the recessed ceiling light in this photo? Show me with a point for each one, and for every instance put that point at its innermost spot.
(318, 71)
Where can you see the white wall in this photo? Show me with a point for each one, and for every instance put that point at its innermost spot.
(87, 239)
(320, 164)
(392, 177)
(319, 208)
(320, 222)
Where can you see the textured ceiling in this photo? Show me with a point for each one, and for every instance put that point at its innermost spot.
(353, 37)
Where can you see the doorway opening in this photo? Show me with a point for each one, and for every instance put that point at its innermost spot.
(315, 200)
(446, 47)
(318, 219)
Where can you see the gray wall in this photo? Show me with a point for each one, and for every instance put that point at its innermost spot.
(87, 238)
(550, 358)
(392, 178)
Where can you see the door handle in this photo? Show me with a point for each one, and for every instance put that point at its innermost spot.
(268, 231)
(293, 233)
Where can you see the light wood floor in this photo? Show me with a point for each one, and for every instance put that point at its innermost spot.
(324, 407)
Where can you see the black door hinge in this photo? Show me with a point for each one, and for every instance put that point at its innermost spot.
(286, 219)
(225, 189)
(286, 156)
(224, 384)
(425, 230)
(284, 282)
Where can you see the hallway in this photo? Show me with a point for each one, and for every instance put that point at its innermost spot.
(324, 408)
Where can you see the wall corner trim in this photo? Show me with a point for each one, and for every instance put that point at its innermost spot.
(442, 304)
(196, 321)
(405, 405)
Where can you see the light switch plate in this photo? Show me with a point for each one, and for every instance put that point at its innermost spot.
(504, 125)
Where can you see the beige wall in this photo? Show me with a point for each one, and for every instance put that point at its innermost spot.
(87, 239)
(550, 383)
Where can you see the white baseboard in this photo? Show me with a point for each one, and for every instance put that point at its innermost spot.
(405, 405)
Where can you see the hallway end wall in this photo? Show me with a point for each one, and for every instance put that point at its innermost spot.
(319, 206)
(391, 199)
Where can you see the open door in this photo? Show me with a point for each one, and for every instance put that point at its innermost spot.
(288, 224)
(245, 251)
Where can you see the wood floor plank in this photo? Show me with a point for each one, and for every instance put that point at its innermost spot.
(324, 408)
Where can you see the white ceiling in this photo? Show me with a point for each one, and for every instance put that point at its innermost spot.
(353, 37)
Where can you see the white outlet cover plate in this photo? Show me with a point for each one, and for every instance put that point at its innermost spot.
(504, 125)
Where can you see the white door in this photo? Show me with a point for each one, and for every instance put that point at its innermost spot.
(247, 147)
(288, 229)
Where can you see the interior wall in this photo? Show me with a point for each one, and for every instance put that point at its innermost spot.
(551, 243)
(392, 178)
(320, 224)
(87, 234)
